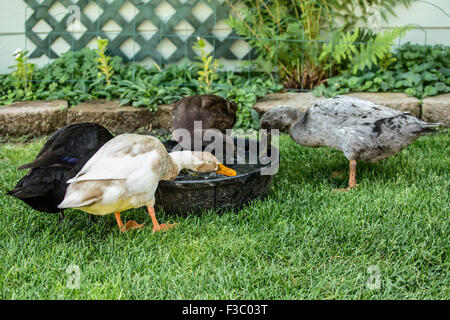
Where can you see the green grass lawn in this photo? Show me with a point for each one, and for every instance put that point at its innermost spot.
(305, 241)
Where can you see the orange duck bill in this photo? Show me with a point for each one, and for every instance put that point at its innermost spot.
(226, 171)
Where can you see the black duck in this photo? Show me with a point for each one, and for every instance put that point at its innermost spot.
(59, 160)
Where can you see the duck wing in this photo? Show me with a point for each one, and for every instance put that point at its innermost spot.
(216, 103)
(46, 148)
(126, 166)
(213, 111)
(69, 145)
(218, 113)
(119, 158)
(42, 188)
(349, 111)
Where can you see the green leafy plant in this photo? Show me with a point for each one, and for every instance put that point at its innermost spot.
(418, 71)
(245, 93)
(103, 60)
(208, 66)
(289, 37)
(22, 71)
(73, 77)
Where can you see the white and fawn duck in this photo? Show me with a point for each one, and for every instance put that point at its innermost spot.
(361, 129)
(124, 174)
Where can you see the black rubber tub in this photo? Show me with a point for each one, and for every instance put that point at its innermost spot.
(207, 191)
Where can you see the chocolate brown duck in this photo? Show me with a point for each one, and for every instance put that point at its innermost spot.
(214, 112)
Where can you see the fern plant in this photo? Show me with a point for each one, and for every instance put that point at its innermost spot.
(362, 55)
(374, 51)
(103, 60)
(285, 34)
(289, 36)
(22, 71)
(208, 66)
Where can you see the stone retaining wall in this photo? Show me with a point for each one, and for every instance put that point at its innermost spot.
(35, 118)
(111, 115)
(437, 109)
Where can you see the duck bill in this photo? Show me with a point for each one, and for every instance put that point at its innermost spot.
(225, 171)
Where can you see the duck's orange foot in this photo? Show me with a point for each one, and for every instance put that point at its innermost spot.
(132, 225)
(164, 227)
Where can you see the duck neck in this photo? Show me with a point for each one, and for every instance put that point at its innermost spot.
(182, 159)
(297, 131)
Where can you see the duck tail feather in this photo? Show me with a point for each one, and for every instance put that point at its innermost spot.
(74, 203)
(428, 128)
(17, 193)
(25, 166)
(432, 125)
(22, 193)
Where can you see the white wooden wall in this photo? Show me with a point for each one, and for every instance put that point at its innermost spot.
(434, 23)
